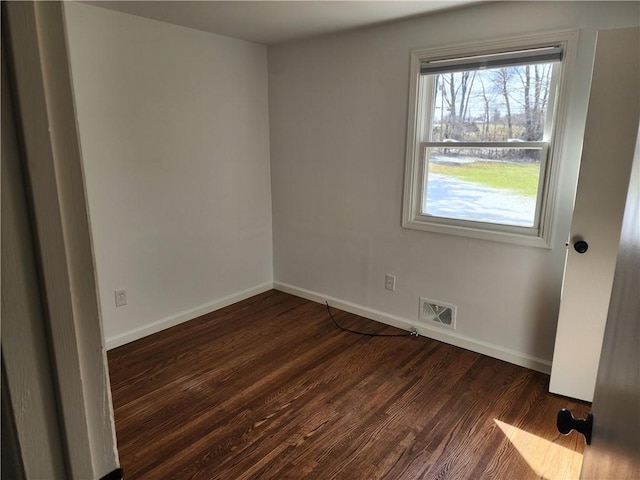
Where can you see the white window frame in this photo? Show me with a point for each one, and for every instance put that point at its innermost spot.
(541, 233)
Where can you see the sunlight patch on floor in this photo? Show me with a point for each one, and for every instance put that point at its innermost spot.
(547, 459)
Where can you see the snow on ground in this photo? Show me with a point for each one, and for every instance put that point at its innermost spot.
(452, 198)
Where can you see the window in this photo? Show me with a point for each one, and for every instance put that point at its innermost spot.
(481, 141)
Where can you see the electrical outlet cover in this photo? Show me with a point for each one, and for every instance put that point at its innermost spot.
(121, 298)
(390, 282)
(437, 313)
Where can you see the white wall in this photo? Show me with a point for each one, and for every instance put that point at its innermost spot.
(175, 140)
(175, 126)
(338, 121)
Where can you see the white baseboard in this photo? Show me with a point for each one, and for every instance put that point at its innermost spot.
(452, 338)
(155, 327)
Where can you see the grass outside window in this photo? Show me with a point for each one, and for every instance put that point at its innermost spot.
(520, 178)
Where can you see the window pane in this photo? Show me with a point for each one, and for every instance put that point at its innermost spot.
(495, 185)
(492, 105)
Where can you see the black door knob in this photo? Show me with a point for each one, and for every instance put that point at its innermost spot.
(566, 423)
(581, 246)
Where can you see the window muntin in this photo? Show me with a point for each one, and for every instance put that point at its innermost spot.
(502, 118)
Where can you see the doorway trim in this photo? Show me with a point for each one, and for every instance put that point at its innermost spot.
(47, 125)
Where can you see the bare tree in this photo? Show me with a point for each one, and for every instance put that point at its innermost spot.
(511, 102)
(466, 85)
(502, 80)
(456, 93)
(541, 97)
(535, 93)
(452, 100)
(487, 109)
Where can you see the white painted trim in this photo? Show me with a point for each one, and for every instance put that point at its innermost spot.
(53, 166)
(452, 338)
(185, 316)
(28, 384)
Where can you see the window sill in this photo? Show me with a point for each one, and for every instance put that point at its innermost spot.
(475, 230)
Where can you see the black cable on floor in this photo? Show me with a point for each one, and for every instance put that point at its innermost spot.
(413, 333)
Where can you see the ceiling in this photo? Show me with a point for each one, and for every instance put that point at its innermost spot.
(271, 22)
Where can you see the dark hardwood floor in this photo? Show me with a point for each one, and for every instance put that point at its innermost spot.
(269, 388)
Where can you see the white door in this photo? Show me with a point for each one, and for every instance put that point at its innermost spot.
(615, 442)
(609, 141)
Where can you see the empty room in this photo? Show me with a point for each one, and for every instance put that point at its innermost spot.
(319, 239)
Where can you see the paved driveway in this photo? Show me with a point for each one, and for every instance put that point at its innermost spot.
(452, 198)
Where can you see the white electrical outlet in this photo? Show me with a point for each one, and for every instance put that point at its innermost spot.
(390, 282)
(121, 298)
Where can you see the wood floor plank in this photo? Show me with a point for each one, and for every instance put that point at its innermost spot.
(270, 388)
